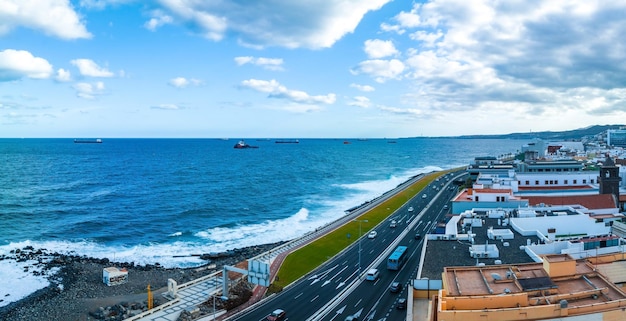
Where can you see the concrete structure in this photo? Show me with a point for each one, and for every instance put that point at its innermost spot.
(114, 276)
(558, 288)
(488, 165)
(537, 148)
(616, 137)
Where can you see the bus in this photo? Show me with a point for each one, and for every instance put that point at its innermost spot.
(397, 258)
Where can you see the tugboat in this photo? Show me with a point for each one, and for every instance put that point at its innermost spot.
(242, 144)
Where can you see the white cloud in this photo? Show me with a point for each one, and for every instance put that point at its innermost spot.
(282, 23)
(276, 90)
(381, 70)
(360, 101)
(63, 75)
(17, 64)
(365, 88)
(158, 19)
(166, 107)
(53, 17)
(427, 38)
(516, 57)
(101, 4)
(376, 49)
(181, 82)
(89, 68)
(403, 111)
(267, 63)
(89, 90)
(244, 60)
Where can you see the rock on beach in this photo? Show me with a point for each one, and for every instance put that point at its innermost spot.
(76, 291)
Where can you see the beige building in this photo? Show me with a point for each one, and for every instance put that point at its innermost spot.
(559, 288)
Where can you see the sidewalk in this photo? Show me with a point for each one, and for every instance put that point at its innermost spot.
(196, 292)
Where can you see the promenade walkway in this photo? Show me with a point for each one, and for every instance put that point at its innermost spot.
(191, 294)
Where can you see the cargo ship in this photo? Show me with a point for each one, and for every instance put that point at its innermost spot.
(88, 141)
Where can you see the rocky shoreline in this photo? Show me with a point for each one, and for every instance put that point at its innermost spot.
(76, 291)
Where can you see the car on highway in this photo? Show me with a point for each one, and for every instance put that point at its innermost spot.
(277, 315)
(424, 196)
(401, 305)
(411, 209)
(372, 275)
(372, 234)
(395, 287)
(418, 236)
(351, 318)
(393, 223)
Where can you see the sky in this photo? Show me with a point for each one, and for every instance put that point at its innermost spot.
(308, 69)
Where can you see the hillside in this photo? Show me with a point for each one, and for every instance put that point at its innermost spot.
(550, 135)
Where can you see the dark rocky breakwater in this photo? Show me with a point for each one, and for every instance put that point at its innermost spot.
(76, 290)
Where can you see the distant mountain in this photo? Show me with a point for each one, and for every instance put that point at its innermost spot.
(549, 135)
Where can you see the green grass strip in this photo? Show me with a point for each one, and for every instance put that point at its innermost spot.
(312, 255)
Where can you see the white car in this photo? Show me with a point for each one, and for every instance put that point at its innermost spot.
(411, 209)
(372, 235)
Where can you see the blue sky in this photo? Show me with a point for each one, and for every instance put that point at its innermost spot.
(299, 69)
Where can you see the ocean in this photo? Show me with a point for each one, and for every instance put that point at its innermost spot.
(152, 200)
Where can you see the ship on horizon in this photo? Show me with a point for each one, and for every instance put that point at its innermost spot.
(288, 141)
(88, 141)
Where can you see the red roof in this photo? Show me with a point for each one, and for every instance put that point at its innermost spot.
(492, 190)
(599, 201)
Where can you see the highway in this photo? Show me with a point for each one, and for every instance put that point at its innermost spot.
(336, 289)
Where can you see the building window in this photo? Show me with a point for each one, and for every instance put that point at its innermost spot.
(536, 182)
(546, 182)
(565, 182)
(592, 181)
(584, 181)
(575, 182)
(527, 183)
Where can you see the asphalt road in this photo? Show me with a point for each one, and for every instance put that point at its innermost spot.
(337, 289)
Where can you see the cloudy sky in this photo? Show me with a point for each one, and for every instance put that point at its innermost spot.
(298, 69)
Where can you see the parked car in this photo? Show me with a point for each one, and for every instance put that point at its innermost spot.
(395, 287)
(277, 315)
(401, 305)
(372, 234)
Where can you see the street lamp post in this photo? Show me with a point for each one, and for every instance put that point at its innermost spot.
(360, 221)
(214, 307)
(222, 298)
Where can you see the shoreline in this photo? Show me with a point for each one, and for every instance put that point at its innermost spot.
(77, 292)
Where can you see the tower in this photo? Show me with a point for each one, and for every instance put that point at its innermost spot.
(609, 179)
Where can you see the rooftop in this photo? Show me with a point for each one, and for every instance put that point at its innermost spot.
(581, 287)
(440, 254)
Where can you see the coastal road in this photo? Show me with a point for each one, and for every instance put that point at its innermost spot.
(313, 295)
(374, 300)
